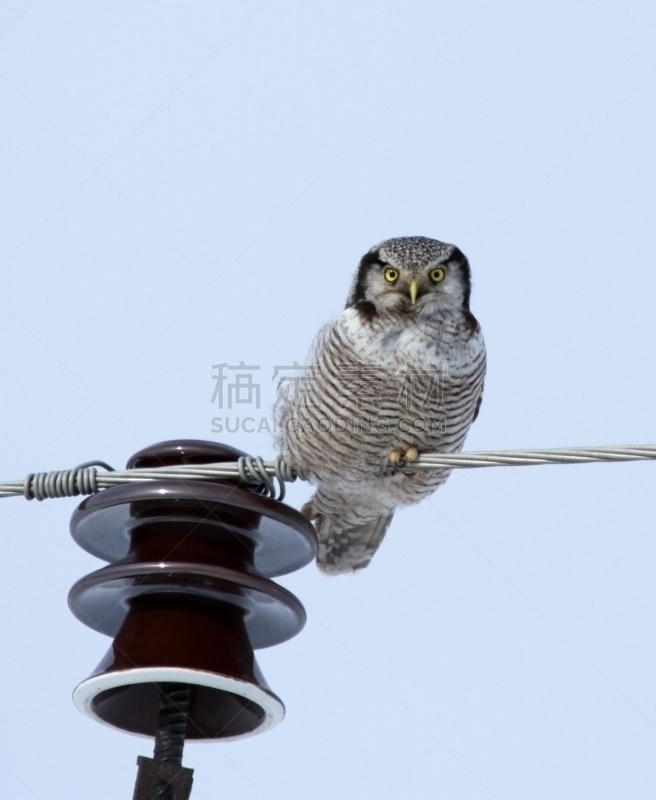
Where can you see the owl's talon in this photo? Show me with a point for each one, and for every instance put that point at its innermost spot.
(411, 454)
(395, 457)
(393, 463)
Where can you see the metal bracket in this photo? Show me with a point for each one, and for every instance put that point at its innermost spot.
(162, 780)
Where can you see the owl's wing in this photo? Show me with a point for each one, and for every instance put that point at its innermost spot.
(478, 405)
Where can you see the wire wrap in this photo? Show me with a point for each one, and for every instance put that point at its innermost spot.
(64, 482)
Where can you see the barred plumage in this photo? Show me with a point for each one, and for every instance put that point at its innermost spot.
(401, 370)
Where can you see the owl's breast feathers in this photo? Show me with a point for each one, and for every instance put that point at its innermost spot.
(390, 381)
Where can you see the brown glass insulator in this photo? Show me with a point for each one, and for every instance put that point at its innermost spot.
(187, 595)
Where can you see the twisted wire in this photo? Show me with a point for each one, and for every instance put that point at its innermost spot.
(171, 732)
(85, 479)
(172, 722)
(527, 458)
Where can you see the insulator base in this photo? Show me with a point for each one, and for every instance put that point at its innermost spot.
(222, 707)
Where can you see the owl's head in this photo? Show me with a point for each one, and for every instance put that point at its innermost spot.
(412, 274)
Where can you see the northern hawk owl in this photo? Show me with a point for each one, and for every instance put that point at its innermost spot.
(399, 372)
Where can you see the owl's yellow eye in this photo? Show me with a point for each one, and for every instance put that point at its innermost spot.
(437, 274)
(391, 275)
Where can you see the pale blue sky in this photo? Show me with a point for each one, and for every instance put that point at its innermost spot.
(190, 184)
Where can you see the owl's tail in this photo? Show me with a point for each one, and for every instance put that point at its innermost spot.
(344, 547)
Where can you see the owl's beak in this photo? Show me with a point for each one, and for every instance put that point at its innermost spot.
(414, 288)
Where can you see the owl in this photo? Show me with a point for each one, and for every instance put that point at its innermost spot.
(400, 372)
